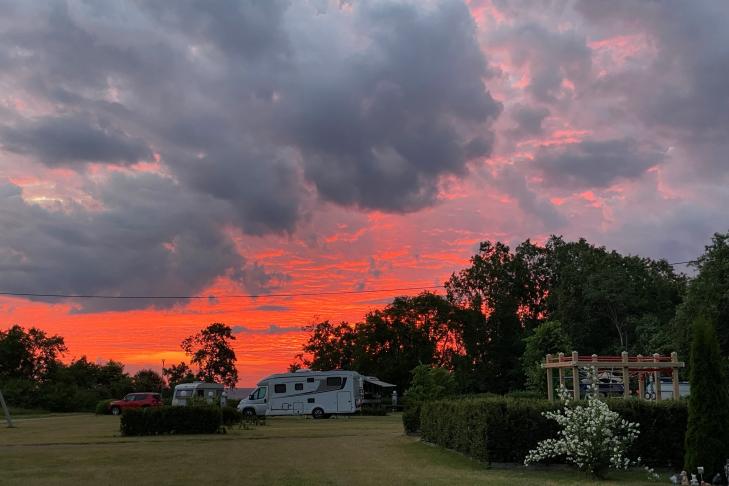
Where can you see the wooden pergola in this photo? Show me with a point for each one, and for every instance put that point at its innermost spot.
(640, 365)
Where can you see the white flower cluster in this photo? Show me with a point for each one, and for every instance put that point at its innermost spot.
(593, 437)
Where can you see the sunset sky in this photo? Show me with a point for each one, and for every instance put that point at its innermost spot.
(216, 148)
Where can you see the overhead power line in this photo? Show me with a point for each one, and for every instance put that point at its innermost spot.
(231, 296)
(224, 296)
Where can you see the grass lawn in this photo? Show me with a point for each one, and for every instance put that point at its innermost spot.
(88, 449)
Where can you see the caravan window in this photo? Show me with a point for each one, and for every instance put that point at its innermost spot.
(298, 386)
(280, 388)
(334, 381)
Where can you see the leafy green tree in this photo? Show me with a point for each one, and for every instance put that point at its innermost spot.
(428, 383)
(707, 434)
(509, 288)
(431, 383)
(602, 297)
(707, 295)
(548, 337)
(148, 380)
(329, 347)
(211, 350)
(28, 355)
(390, 344)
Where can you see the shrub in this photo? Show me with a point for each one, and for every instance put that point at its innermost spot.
(171, 420)
(231, 416)
(707, 436)
(411, 417)
(592, 437)
(548, 337)
(429, 383)
(102, 408)
(503, 429)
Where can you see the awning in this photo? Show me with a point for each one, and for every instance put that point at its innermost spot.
(376, 382)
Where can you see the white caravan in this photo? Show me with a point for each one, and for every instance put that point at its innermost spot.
(304, 392)
(197, 390)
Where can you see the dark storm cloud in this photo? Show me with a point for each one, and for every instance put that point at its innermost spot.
(272, 329)
(528, 119)
(683, 92)
(66, 140)
(273, 308)
(246, 27)
(378, 128)
(551, 57)
(511, 180)
(257, 280)
(256, 111)
(595, 163)
(150, 239)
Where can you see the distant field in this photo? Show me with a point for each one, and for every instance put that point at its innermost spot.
(87, 449)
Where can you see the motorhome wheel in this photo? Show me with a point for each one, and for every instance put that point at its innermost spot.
(249, 412)
(317, 413)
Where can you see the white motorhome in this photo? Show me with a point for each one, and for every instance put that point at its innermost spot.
(304, 392)
(197, 390)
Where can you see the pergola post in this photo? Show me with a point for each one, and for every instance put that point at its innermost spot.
(657, 378)
(626, 375)
(593, 377)
(575, 376)
(550, 388)
(674, 376)
(641, 381)
(561, 371)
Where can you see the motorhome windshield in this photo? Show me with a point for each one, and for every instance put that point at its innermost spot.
(258, 394)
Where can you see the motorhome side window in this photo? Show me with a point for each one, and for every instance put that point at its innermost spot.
(298, 386)
(259, 394)
(310, 380)
(280, 388)
(334, 381)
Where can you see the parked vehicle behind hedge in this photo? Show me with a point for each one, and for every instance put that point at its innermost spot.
(135, 400)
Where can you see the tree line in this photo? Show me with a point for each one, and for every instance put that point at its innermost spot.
(497, 320)
(33, 376)
(511, 306)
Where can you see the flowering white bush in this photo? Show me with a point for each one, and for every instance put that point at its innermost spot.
(593, 437)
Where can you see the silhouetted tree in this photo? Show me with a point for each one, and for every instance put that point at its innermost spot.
(179, 373)
(148, 380)
(210, 349)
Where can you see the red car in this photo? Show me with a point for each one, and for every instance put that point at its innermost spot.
(135, 400)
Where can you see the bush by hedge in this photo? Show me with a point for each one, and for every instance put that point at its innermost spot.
(171, 420)
(102, 407)
(502, 429)
(231, 416)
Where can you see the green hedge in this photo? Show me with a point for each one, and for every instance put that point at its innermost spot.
(662, 428)
(171, 420)
(505, 429)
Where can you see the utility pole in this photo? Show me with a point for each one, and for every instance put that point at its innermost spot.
(5, 409)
